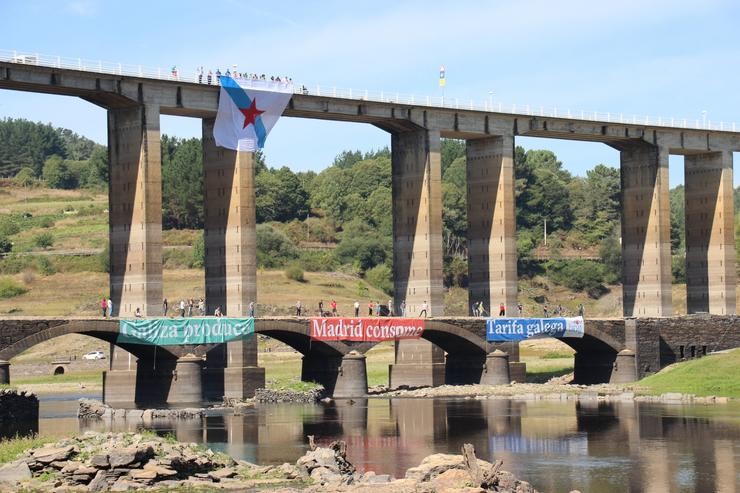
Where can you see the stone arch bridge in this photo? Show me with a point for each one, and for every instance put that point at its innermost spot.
(190, 373)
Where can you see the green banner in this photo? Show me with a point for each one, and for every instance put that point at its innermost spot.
(178, 331)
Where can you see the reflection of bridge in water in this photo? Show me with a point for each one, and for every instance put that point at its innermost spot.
(615, 350)
(557, 445)
(134, 105)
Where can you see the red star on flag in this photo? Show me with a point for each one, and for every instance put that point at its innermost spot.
(251, 113)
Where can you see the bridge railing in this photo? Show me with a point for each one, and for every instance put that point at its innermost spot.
(191, 76)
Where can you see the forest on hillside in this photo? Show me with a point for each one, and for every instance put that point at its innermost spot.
(338, 219)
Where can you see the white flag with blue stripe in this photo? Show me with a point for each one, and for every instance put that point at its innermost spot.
(247, 111)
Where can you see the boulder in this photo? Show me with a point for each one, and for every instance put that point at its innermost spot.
(47, 455)
(14, 472)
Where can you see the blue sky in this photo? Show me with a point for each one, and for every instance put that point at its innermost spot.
(656, 58)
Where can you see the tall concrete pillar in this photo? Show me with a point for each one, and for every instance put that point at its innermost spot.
(417, 249)
(646, 238)
(119, 381)
(231, 253)
(230, 227)
(492, 254)
(710, 234)
(135, 218)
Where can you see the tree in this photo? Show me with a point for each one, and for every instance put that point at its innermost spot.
(274, 248)
(280, 196)
(678, 216)
(182, 176)
(451, 150)
(57, 174)
(25, 177)
(543, 192)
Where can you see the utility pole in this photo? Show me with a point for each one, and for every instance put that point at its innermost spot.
(545, 231)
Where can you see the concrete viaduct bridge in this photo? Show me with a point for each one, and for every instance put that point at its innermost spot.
(616, 350)
(134, 105)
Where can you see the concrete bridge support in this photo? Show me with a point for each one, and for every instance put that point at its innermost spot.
(4, 372)
(231, 255)
(135, 192)
(341, 376)
(491, 223)
(417, 249)
(710, 234)
(646, 239)
(496, 371)
(119, 381)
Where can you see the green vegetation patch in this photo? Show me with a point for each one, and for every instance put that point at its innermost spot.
(11, 448)
(9, 288)
(717, 374)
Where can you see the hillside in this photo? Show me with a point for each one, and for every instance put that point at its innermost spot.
(716, 374)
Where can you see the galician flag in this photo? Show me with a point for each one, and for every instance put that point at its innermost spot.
(247, 111)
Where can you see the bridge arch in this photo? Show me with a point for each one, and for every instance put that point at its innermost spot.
(104, 330)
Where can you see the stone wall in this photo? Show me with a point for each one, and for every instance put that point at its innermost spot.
(19, 413)
(694, 336)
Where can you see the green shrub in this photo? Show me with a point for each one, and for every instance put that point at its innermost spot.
(274, 248)
(43, 240)
(10, 288)
(578, 275)
(104, 259)
(316, 260)
(678, 269)
(381, 277)
(456, 272)
(25, 177)
(46, 267)
(295, 273)
(14, 264)
(5, 245)
(9, 226)
(46, 222)
(199, 253)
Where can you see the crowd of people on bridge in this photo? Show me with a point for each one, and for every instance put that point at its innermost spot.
(210, 77)
(189, 308)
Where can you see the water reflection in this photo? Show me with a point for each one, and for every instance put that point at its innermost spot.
(556, 445)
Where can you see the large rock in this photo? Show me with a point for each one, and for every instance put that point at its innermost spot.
(14, 472)
(47, 455)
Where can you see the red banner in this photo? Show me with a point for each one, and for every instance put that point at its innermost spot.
(366, 329)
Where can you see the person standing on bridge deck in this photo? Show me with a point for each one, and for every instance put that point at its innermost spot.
(321, 308)
(137, 313)
(501, 310)
(423, 309)
(519, 309)
(217, 311)
(210, 77)
(202, 307)
(104, 306)
(164, 307)
(200, 74)
(357, 308)
(251, 309)
(370, 308)
(544, 311)
(218, 77)
(403, 308)
(580, 310)
(333, 305)
(298, 308)
(390, 307)
(109, 307)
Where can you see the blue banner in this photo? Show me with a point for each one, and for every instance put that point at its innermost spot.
(518, 329)
(177, 331)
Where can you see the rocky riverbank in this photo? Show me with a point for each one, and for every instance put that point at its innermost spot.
(547, 391)
(129, 461)
(93, 409)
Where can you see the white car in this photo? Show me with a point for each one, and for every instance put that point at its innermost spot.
(94, 355)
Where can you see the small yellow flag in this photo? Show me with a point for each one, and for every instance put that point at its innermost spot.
(442, 79)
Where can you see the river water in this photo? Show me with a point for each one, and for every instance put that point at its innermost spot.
(555, 445)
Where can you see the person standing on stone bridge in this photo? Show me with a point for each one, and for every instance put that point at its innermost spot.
(104, 306)
(423, 309)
